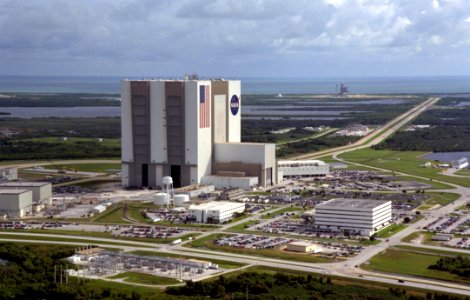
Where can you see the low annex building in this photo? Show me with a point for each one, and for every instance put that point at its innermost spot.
(358, 216)
(291, 168)
(215, 211)
(303, 247)
(42, 191)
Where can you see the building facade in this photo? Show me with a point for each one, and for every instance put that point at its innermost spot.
(175, 128)
(293, 168)
(357, 216)
(15, 203)
(42, 191)
(215, 212)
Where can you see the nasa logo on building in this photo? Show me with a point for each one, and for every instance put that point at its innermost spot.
(234, 105)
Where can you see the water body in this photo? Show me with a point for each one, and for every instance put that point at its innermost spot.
(447, 156)
(62, 112)
(370, 85)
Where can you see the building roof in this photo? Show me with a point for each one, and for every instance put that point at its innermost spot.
(352, 203)
(13, 191)
(301, 243)
(24, 184)
(215, 205)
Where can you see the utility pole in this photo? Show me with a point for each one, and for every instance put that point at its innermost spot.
(55, 273)
(60, 274)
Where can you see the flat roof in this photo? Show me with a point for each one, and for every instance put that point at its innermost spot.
(312, 161)
(215, 205)
(352, 203)
(24, 184)
(13, 191)
(301, 243)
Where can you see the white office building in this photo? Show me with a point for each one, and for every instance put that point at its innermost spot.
(293, 168)
(187, 129)
(215, 211)
(461, 163)
(15, 203)
(364, 217)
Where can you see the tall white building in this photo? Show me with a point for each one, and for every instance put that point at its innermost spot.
(292, 168)
(364, 217)
(187, 129)
(215, 211)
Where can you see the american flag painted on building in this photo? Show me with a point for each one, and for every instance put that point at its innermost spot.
(204, 106)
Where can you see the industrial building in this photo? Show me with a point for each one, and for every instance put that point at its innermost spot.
(188, 129)
(356, 216)
(7, 174)
(303, 247)
(15, 203)
(293, 168)
(215, 211)
(42, 191)
(461, 163)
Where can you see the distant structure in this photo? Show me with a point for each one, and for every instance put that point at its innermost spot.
(188, 129)
(8, 174)
(343, 89)
(461, 163)
(356, 216)
(15, 203)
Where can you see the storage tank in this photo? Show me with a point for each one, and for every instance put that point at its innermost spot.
(179, 200)
(160, 199)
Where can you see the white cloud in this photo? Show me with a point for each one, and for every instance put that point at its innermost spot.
(436, 5)
(436, 40)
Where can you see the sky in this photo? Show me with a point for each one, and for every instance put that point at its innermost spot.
(235, 38)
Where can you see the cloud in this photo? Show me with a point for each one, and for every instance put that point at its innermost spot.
(225, 37)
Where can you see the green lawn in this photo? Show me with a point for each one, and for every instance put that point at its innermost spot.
(114, 215)
(134, 277)
(240, 228)
(145, 292)
(401, 161)
(438, 198)
(410, 261)
(390, 230)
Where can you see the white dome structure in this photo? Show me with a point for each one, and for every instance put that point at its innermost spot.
(161, 199)
(180, 200)
(166, 180)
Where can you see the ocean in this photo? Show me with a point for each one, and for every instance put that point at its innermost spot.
(361, 85)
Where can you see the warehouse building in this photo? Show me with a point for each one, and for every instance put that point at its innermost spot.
(303, 247)
(307, 168)
(356, 216)
(42, 191)
(188, 129)
(215, 211)
(7, 174)
(15, 203)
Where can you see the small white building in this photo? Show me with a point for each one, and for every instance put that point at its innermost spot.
(16, 202)
(7, 174)
(290, 168)
(358, 216)
(42, 191)
(99, 209)
(461, 163)
(215, 211)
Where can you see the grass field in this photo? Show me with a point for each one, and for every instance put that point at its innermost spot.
(240, 228)
(145, 292)
(73, 140)
(390, 230)
(438, 198)
(134, 277)
(411, 261)
(408, 162)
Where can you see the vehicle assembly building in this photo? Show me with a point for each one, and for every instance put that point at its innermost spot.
(189, 130)
(364, 217)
